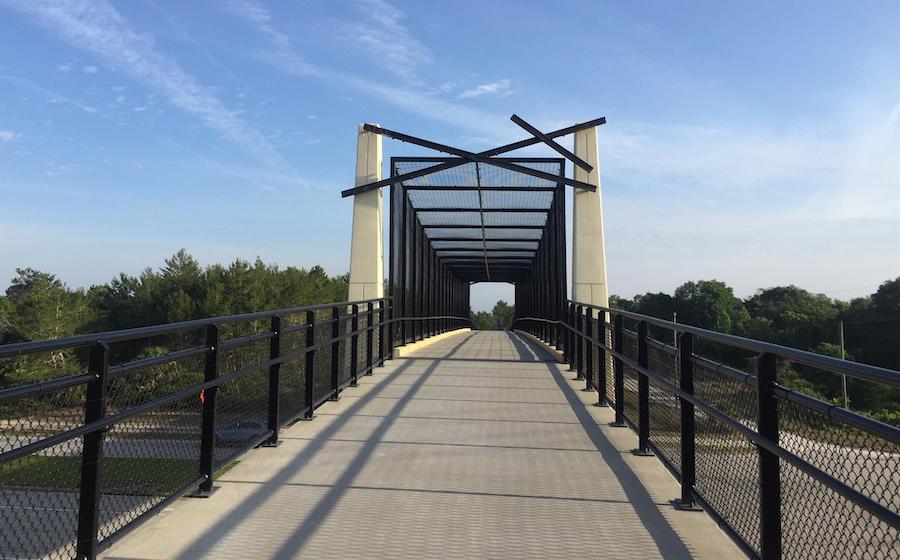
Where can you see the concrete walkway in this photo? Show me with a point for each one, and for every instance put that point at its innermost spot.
(477, 446)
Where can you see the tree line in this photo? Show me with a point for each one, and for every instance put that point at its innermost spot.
(37, 305)
(789, 316)
(794, 317)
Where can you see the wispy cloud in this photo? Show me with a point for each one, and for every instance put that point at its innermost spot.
(500, 88)
(384, 38)
(49, 95)
(8, 135)
(286, 59)
(90, 70)
(258, 15)
(96, 27)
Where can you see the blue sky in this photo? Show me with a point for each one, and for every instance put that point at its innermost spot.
(755, 143)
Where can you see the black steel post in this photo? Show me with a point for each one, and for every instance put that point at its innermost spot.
(769, 465)
(579, 343)
(688, 431)
(274, 374)
(589, 349)
(335, 354)
(354, 346)
(619, 371)
(381, 330)
(309, 371)
(370, 336)
(92, 453)
(643, 394)
(601, 359)
(570, 342)
(208, 420)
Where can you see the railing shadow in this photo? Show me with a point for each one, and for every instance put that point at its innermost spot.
(664, 536)
(298, 538)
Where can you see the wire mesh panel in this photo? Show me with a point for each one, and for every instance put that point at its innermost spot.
(818, 522)
(241, 405)
(146, 459)
(146, 399)
(322, 362)
(39, 492)
(728, 464)
(292, 375)
(39, 503)
(630, 394)
(665, 407)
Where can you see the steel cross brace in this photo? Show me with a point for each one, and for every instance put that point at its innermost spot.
(549, 141)
(456, 163)
(470, 156)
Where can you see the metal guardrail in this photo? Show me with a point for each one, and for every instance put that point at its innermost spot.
(85, 457)
(786, 474)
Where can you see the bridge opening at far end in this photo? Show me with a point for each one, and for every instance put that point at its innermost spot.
(475, 224)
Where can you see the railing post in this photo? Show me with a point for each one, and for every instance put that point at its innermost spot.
(309, 370)
(92, 453)
(769, 465)
(589, 347)
(688, 432)
(354, 347)
(274, 383)
(381, 331)
(579, 343)
(619, 370)
(335, 354)
(208, 421)
(601, 361)
(370, 312)
(643, 394)
(570, 338)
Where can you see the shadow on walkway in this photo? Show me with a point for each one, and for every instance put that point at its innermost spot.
(667, 540)
(317, 516)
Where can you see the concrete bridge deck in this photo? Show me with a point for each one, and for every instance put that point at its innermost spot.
(476, 446)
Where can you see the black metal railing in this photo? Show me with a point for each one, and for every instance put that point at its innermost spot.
(786, 474)
(135, 419)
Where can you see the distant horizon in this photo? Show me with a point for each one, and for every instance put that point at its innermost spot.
(484, 294)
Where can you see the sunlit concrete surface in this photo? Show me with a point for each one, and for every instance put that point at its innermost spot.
(477, 446)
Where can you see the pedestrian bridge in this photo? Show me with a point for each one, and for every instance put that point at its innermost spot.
(382, 427)
(479, 445)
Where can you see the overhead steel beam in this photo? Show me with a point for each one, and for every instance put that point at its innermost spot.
(550, 142)
(499, 239)
(485, 210)
(496, 250)
(476, 226)
(471, 188)
(471, 156)
(451, 164)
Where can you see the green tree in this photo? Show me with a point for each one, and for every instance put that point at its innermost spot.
(710, 304)
(504, 314)
(483, 321)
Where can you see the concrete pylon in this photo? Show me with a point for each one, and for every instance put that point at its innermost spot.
(588, 248)
(367, 242)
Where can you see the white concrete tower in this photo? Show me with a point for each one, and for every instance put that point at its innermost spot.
(588, 248)
(367, 242)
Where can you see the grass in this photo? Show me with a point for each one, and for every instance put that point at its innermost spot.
(119, 475)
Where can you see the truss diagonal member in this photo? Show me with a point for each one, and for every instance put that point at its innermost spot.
(477, 157)
(451, 164)
(550, 142)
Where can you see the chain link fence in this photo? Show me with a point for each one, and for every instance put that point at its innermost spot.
(106, 429)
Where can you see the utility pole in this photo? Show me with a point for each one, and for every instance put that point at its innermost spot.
(675, 331)
(843, 375)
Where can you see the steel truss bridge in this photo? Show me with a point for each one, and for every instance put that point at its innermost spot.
(386, 428)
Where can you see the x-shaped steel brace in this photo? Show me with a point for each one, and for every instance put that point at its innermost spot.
(484, 157)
